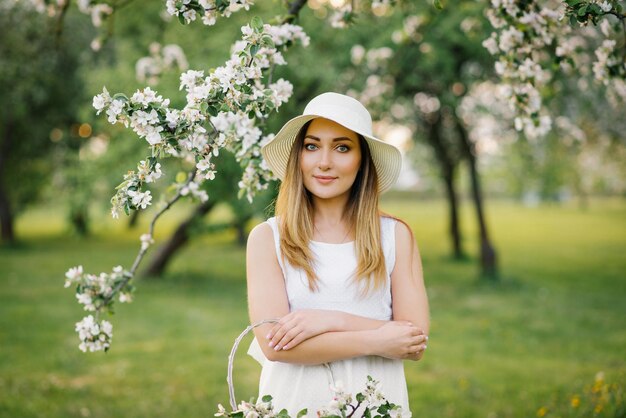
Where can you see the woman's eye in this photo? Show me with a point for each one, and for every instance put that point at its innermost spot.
(310, 147)
(343, 148)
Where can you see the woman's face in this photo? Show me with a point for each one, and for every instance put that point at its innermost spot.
(330, 159)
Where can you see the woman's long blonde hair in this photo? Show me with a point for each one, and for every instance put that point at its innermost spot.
(294, 210)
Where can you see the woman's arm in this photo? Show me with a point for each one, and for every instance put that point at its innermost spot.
(408, 293)
(301, 325)
(267, 298)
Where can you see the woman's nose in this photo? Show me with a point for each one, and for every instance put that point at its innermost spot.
(324, 162)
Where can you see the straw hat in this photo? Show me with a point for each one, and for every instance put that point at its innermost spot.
(347, 112)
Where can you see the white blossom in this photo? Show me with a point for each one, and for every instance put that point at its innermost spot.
(189, 78)
(510, 38)
(146, 241)
(491, 44)
(73, 275)
(152, 134)
(100, 101)
(282, 91)
(140, 199)
(94, 336)
(115, 108)
(606, 6)
(125, 297)
(98, 12)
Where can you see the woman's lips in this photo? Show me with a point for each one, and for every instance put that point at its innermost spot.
(324, 179)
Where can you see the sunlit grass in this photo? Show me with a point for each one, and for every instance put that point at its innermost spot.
(496, 350)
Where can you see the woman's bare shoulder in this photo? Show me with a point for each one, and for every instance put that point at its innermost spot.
(404, 234)
(261, 235)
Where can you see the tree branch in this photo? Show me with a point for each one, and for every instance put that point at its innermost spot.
(143, 249)
(294, 10)
(58, 30)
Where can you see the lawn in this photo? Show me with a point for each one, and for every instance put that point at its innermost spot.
(528, 346)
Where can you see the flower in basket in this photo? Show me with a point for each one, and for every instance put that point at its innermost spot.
(370, 403)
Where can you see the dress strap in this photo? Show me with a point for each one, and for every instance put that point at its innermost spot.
(388, 238)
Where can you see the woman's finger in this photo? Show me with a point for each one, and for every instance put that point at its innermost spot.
(279, 334)
(297, 340)
(290, 335)
(273, 331)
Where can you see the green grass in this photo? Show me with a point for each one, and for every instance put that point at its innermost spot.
(496, 350)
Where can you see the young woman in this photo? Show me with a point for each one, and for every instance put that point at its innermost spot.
(344, 280)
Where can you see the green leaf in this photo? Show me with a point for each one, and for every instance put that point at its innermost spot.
(196, 7)
(204, 107)
(267, 41)
(438, 5)
(256, 23)
(582, 11)
(301, 413)
(367, 413)
(254, 49)
(266, 398)
(181, 19)
(360, 397)
(572, 20)
(120, 96)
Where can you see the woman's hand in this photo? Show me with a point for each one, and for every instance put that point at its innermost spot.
(399, 340)
(301, 325)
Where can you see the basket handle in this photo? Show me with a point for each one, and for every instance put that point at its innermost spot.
(231, 359)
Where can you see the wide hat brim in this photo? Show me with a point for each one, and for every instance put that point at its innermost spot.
(386, 157)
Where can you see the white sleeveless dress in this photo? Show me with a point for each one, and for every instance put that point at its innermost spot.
(296, 387)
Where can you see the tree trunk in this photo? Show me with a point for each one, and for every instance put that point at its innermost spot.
(177, 241)
(488, 256)
(6, 214)
(448, 165)
(240, 227)
(79, 219)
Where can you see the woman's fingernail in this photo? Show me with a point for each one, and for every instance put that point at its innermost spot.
(425, 347)
(427, 338)
(277, 348)
(285, 347)
(268, 336)
(271, 344)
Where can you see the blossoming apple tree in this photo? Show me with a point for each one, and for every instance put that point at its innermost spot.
(226, 107)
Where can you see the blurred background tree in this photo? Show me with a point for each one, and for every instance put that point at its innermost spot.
(41, 93)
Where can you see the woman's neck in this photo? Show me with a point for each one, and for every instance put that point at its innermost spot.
(329, 222)
(329, 211)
